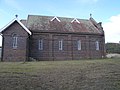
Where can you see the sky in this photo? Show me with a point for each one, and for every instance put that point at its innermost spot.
(105, 11)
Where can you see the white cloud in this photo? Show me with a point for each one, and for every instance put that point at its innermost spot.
(112, 29)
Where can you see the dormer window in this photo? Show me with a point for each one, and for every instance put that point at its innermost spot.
(75, 20)
(55, 18)
(14, 41)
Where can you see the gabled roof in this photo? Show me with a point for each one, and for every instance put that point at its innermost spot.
(37, 23)
(24, 27)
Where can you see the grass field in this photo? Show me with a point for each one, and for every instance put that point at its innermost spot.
(61, 75)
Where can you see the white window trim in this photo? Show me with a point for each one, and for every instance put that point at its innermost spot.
(97, 45)
(79, 44)
(60, 44)
(15, 42)
(40, 44)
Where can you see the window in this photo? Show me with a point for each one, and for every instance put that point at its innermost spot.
(15, 41)
(79, 44)
(40, 44)
(97, 45)
(60, 44)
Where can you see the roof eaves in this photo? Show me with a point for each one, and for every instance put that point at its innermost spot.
(24, 27)
(2, 29)
(13, 22)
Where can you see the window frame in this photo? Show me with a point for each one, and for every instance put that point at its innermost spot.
(15, 41)
(79, 46)
(60, 44)
(40, 44)
(97, 45)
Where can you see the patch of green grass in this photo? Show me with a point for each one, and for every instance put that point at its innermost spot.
(103, 74)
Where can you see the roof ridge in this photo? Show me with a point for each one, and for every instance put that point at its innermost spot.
(58, 17)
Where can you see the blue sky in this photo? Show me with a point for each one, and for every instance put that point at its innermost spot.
(106, 11)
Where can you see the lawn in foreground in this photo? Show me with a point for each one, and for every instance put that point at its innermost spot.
(61, 75)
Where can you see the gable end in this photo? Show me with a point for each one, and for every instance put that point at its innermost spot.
(23, 26)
